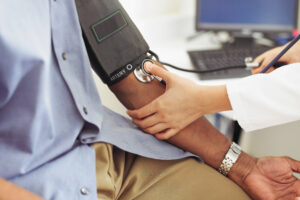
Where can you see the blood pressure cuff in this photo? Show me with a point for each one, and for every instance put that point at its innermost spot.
(114, 44)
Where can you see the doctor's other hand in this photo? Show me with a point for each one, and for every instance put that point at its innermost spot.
(291, 56)
(182, 103)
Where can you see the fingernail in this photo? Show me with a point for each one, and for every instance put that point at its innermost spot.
(149, 66)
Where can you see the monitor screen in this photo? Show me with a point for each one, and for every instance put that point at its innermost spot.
(252, 15)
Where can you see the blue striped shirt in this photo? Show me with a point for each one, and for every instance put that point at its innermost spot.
(50, 111)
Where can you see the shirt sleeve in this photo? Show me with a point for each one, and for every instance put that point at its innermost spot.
(266, 100)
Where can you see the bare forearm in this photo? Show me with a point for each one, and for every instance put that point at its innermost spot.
(134, 94)
(213, 99)
(9, 191)
(200, 137)
(204, 140)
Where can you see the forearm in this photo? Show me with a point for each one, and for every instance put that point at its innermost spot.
(204, 140)
(9, 191)
(134, 94)
(200, 137)
(213, 99)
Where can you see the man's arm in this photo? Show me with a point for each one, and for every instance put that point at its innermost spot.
(262, 178)
(134, 94)
(9, 191)
(202, 139)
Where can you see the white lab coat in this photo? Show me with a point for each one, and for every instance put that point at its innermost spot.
(266, 100)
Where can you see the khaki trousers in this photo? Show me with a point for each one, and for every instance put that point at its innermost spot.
(125, 176)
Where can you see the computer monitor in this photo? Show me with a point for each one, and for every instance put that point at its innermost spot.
(247, 15)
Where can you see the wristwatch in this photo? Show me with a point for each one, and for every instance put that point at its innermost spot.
(230, 158)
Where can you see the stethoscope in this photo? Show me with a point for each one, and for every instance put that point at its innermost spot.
(145, 77)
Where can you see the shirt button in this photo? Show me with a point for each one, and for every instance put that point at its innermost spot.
(84, 191)
(64, 56)
(85, 110)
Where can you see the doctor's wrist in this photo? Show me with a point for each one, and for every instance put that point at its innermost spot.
(213, 99)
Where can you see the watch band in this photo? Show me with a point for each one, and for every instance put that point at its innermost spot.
(230, 158)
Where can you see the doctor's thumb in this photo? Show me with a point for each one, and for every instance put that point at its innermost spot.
(157, 71)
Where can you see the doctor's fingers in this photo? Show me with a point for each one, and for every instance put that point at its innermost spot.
(147, 122)
(259, 69)
(261, 57)
(263, 64)
(145, 111)
(156, 128)
(158, 71)
(167, 134)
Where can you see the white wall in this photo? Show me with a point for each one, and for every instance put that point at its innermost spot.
(147, 9)
(144, 9)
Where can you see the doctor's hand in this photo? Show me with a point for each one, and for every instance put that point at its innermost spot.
(172, 111)
(272, 178)
(291, 56)
(182, 103)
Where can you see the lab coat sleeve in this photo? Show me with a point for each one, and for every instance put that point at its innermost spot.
(266, 100)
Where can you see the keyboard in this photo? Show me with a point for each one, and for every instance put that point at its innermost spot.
(224, 63)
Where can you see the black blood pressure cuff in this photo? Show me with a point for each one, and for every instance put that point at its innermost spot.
(114, 44)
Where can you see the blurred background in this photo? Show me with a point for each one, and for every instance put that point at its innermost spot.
(167, 25)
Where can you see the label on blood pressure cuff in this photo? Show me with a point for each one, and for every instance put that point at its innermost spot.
(123, 72)
(109, 26)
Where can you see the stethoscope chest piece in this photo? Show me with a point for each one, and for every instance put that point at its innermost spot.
(142, 76)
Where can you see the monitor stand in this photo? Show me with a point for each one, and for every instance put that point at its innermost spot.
(240, 40)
